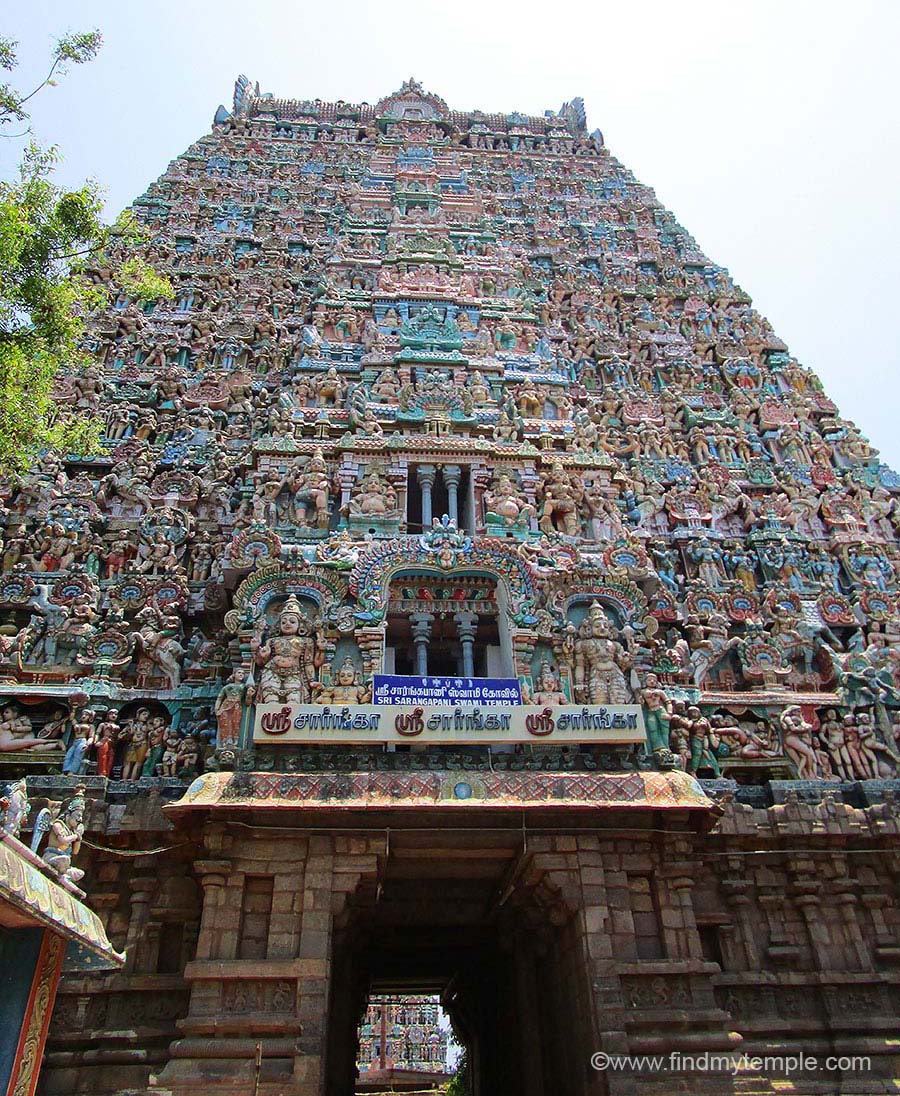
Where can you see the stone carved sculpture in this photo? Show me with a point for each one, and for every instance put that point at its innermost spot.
(599, 661)
(64, 839)
(291, 658)
(344, 687)
(621, 413)
(15, 807)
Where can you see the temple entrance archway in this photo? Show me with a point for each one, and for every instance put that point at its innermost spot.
(464, 915)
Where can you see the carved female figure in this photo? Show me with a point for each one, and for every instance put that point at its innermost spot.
(230, 708)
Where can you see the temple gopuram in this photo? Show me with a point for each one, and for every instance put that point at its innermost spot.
(401, 1041)
(470, 597)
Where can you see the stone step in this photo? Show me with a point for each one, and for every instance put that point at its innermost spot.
(750, 1084)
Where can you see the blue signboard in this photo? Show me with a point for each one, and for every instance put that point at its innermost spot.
(452, 691)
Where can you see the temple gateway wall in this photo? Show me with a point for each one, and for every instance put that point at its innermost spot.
(470, 596)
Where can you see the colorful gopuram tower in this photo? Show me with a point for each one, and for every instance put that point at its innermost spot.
(403, 1035)
(471, 596)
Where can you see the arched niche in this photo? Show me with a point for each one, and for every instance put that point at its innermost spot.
(622, 601)
(319, 589)
(443, 553)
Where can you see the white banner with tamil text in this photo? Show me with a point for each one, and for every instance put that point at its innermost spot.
(469, 725)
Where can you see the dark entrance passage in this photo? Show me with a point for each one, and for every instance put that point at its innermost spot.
(456, 914)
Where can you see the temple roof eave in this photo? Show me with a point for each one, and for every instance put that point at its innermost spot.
(40, 900)
(447, 793)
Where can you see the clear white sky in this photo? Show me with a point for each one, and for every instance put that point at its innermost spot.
(769, 128)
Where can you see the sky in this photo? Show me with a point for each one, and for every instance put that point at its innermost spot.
(769, 128)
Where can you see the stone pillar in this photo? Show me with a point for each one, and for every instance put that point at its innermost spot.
(530, 483)
(315, 967)
(426, 475)
(529, 1012)
(421, 633)
(452, 475)
(479, 479)
(467, 626)
(212, 876)
(142, 890)
(371, 646)
(346, 478)
(675, 879)
(856, 951)
(806, 889)
(738, 891)
(522, 644)
(877, 902)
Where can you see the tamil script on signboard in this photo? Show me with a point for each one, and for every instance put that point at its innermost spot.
(470, 725)
(394, 689)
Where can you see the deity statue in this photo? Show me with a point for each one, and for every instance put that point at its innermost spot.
(367, 424)
(507, 503)
(345, 687)
(605, 515)
(657, 715)
(529, 400)
(156, 637)
(328, 388)
(599, 661)
(156, 746)
(708, 557)
(136, 733)
(290, 659)
(310, 489)
(374, 497)
(562, 495)
(64, 839)
(16, 734)
(386, 386)
(83, 737)
(744, 743)
(338, 551)
(548, 690)
(703, 742)
(479, 389)
(15, 807)
(796, 737)
(168, 765)
(108, 733)
(508, 426)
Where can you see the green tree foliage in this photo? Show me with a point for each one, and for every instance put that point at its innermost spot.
(459, 1085)
(48, 235)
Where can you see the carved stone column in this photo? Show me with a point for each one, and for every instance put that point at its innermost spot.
(479, 478)
(426, 474)
(421, 633)
(877, 902)
(142, 890)
(530, 483)
(371, 645)
(467, 626)
(452, 474)
(346, 478)
(738, 892)
(212, 875)
(315, 955)
(523, 643)
(843, 893)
